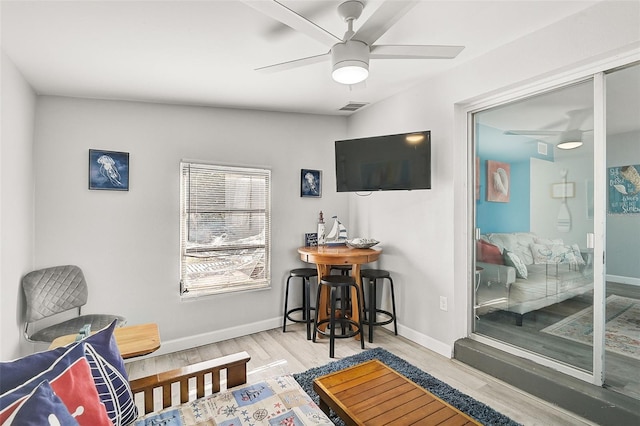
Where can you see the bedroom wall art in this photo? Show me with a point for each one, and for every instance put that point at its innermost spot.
(108, 170)
(498, 181)
(623, 188)
(310, 183)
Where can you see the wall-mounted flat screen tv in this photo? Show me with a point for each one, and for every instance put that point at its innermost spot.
(384, 163)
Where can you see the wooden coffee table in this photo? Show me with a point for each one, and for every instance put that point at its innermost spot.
(373, 394)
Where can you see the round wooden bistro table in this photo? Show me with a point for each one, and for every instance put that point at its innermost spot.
(326, 256)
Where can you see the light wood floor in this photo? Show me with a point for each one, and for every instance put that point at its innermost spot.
(275, 353)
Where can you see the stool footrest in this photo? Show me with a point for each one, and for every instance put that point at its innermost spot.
(339, 322)
(385, 322)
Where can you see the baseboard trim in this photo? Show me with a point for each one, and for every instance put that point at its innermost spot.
(623, 280)
(426, 341)
(202, 339)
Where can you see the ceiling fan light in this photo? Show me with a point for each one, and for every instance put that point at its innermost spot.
(350, 72)
(569, 144)
(350, 62)
(570, 139)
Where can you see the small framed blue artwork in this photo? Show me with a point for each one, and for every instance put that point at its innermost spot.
(108, 170)
(310, 183)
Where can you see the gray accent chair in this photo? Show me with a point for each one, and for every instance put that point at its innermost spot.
(58, 289)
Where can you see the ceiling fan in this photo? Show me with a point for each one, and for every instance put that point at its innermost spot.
(569, 138)
(350, 54)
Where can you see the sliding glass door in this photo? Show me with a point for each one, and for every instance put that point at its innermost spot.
(534, 223)
(554, 170)
(622, 314)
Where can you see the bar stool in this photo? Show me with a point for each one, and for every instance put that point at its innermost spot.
(338, 315)
(344, 269)
(306, 274)
(373, 275)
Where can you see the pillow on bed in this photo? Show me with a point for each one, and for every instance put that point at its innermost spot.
(107, 368)
(555, 253)
(70, 378)
(548, 241)
(42, 407)
(512, 259)
(488, 253)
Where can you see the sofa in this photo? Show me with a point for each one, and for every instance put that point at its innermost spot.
(85, 383)
(522, 272)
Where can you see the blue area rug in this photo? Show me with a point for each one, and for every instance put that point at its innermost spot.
(479, 411)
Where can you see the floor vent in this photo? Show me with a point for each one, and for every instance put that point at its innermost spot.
(353, 106)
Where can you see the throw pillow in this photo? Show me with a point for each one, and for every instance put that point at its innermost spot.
(547, 241)
(488, 253)
(578, 255)
(554, 253)
(107, 369)
(512, 259)
(70, 378)
(42, 407)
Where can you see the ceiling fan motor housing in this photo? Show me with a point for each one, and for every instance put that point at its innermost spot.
(349, 55)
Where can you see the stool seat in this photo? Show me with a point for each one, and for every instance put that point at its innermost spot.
(371, 313)
(374, 274)
(344, 269)
(338, 285)
(306, 274)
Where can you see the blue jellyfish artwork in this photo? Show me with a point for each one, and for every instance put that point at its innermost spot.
(108, 170)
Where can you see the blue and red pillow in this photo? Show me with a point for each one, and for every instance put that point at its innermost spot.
(42, 407)
(70, 378)
(106, 366)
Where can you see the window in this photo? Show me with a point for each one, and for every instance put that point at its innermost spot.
(225, 223)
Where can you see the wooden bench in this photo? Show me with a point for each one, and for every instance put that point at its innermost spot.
(373, 394)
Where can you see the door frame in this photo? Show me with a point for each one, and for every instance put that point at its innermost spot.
(464, 258)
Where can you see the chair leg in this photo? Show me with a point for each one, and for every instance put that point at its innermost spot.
(286, 299)
(360, 324)
(372, 307)
(306, 311)
(315, 322)
(332, 323)
(393, 305)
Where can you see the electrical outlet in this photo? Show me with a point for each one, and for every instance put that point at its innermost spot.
(443, 303)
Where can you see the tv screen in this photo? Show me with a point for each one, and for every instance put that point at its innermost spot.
(384, 163)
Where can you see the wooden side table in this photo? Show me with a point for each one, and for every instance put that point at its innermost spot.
(132, 341)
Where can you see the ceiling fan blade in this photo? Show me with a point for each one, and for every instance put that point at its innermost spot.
(296, 63)
(382, 19)
(577, 117)
(533, 132)
(282, 13)
(415, 52)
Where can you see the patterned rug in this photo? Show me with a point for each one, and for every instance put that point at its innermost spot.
(622, 328)
(479, 411)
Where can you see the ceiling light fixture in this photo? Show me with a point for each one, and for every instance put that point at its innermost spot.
(350, 62)
(570, 139)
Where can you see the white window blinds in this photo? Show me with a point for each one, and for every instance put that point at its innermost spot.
(225, 228)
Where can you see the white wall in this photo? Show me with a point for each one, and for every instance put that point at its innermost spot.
(127, 243)
(544, 208)
(425, 233)
(16, 204)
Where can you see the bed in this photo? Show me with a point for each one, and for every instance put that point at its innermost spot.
(192, 396)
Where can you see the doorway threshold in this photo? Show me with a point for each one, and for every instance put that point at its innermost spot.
(598, 404)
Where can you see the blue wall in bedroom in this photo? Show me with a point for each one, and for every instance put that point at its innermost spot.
(513, 216)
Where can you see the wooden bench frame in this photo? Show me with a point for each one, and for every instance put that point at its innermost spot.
(235, 366)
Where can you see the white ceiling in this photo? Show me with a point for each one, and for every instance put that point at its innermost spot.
(205, 52)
